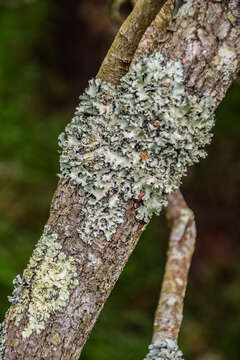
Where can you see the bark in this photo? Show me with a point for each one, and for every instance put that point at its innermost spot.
(156, 32)
(205, 37)
(169, 312)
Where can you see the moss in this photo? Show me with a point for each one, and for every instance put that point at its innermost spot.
(164, 350)
(52, 275)
(134, 141)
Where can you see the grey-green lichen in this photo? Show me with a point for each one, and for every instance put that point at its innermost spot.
(134, 141)
(2, 339)
(164, 350)
(19, 286)
(52, 276)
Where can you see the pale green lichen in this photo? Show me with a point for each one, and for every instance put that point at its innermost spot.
(134, 141)
(166, 349)
(186, 215)
(52, 275)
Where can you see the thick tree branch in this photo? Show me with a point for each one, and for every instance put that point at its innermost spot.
(156, 32)
(205, 37)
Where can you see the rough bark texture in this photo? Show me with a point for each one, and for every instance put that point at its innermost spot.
(205, 37)
(168, 316)
(156, 32)
(67, 330)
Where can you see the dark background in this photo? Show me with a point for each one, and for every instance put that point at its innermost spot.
(48, 52)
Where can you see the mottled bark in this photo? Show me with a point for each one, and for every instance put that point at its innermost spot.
(169, 312)
(156, 32)
(205, 37)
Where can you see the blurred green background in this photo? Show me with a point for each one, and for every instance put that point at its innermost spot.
(48, 52)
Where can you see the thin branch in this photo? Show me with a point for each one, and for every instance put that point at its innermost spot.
(168, 316)
(120, 54)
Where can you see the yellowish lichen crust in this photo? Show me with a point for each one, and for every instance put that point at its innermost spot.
(52, 275)
(134, 141)
(166, 349)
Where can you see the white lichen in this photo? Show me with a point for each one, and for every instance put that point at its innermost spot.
(52, 276)
(133, 141)
(164, 350)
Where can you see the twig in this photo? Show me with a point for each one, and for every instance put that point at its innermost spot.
(168, 316)
(169, 312)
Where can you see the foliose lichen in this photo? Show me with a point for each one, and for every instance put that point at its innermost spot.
(19, 286)
(52, 275)
(134, 141)
(2, 339)
(164, 350)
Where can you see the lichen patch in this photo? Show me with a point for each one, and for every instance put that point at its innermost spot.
(134, 138)
(2, 339)
(52, 275)
(166, 349)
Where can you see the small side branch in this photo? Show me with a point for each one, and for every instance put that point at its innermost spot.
(168, 317)
(120, 54)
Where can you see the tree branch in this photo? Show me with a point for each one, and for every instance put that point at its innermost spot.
(156, 32)
(120, 54)
(169, 312)
(168, 315)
